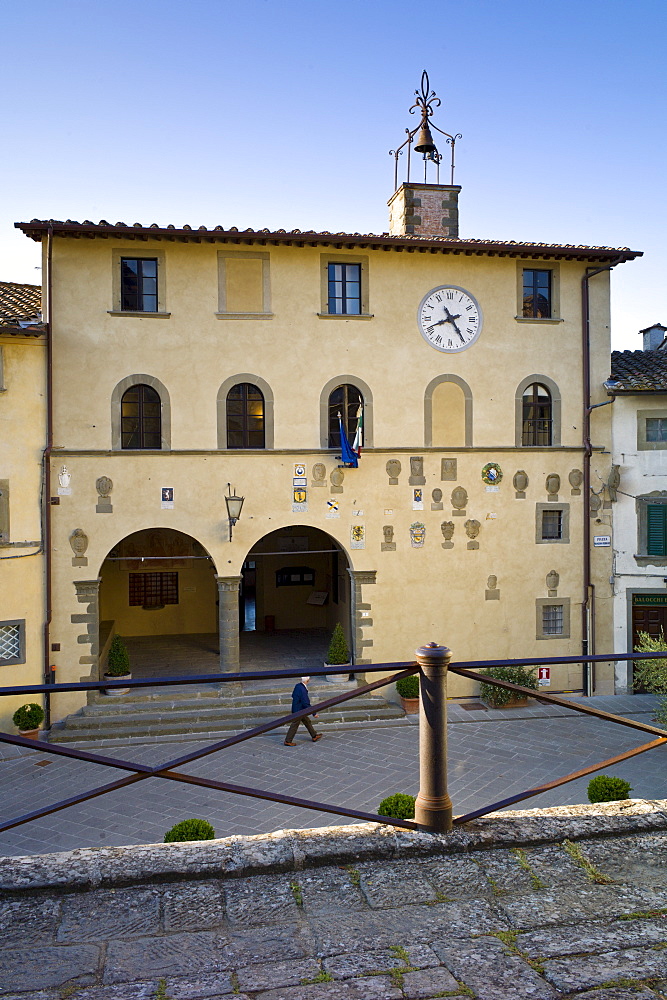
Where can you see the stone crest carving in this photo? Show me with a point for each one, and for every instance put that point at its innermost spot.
(64, 477)
(552, 580)
(520, 483)
(78, 541)
(319, 474)
(553, 486)
(472, 531)
(447, 529)
(613, 482)
(436, 499)
(388, 545)
(492, 593)
(459, 500)
(417, 534)
(594, 504)
(393, 468)
(104, 486)
(416, 471)
(448, 469)
(337, 476)
(576, 478)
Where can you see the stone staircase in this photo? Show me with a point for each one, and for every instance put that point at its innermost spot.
(186, 712)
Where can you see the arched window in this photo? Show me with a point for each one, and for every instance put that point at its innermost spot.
(141, 418)
(537, 416)
(347, 400)
(245, 416)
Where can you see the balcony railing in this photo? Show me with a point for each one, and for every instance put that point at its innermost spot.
(433, 810)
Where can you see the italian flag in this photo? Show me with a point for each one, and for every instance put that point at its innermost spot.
(358, 442)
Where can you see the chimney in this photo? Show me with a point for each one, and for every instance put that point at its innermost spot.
(653, 336)
(425, 210)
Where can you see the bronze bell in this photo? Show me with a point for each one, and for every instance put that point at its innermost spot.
(425, 142)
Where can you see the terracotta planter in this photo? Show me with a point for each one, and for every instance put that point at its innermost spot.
(29, 734)
(410, 705)
(119, 690)
(337, 678)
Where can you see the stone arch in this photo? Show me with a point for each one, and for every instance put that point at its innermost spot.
(222, 408)
(554, 391)
(184, 602)
(365, 391)
(429, 409)
(165, 408)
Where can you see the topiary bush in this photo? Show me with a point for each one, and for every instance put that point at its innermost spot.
(605, 788)
(398, 806)
(28, 717)
(497, 696)
(338, 652)
(190, 829)
(119, 659)
(408, 687)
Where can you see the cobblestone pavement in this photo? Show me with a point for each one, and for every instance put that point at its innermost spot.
(356, 767)
(557, 920)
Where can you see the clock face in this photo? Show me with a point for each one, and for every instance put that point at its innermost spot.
(449, 318)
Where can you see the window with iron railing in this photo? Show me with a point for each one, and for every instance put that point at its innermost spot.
(153, 590)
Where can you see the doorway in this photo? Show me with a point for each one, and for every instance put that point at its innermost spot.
(649, 614)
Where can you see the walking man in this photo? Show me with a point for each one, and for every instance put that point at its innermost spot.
(301, 700)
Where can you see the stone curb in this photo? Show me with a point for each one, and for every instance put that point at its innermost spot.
(293, 850)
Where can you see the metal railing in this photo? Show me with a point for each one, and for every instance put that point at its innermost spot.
(433, 808)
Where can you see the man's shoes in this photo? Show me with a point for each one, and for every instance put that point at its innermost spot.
(316, 738)
(289, 744)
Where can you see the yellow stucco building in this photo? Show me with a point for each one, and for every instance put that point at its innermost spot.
(187, 364)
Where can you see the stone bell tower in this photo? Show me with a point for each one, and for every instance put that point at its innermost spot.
(423, 209)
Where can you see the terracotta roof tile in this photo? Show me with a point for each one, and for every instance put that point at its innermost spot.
(20, 305)
(638, 371)
(37, 228)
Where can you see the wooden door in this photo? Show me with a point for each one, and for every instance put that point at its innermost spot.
(651, 619)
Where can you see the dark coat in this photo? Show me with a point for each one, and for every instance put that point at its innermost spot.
(300, 697)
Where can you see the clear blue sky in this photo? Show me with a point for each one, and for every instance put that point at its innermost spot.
(280, 113)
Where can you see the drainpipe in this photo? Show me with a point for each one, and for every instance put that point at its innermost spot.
(588, 601)
(46, 527)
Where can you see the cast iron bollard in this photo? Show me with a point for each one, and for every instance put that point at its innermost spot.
(433, 807)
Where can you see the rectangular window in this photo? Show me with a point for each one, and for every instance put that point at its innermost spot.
(138, 284)
(552, 524)
(12, 642)
(153, 590)
(656, 429)
(656, 529)
(536, 294)
(552, 619)
(344, 289)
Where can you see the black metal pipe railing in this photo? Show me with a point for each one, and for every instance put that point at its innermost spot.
(469, 669)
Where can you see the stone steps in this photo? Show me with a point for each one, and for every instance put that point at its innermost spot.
(216, 711)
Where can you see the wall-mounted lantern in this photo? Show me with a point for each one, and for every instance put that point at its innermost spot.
(234, 507)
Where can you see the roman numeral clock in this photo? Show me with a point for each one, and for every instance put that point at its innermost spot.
(449, 319)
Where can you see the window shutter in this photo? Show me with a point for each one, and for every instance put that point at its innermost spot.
(656, 529)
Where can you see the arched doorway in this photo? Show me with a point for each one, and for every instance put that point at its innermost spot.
(158, 591)
(295, 586)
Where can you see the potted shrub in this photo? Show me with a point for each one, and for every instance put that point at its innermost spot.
(118, 665)
(189, 829)
(606, 788)
(497, 697)
(338, 654)
(408, 689)
(398, 806)
(28, 719)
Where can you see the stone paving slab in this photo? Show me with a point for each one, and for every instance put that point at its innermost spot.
(480, 915)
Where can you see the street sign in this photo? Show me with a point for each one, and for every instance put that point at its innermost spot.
(602, 541)
(544, 676)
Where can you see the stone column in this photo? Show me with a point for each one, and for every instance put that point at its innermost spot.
(433, 807)
(361, 614)
(228, 622)
(88, 593)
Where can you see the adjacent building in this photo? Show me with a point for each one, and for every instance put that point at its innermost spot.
(638, 386)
